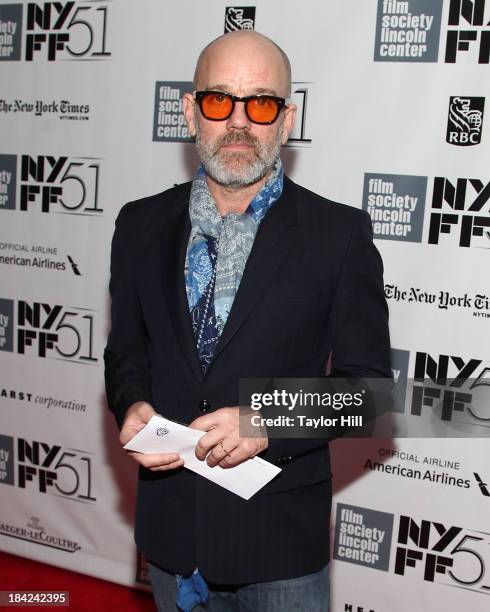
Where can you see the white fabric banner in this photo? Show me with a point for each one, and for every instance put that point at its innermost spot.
(392, 100)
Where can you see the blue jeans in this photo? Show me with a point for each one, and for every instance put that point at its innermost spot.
(305, 594)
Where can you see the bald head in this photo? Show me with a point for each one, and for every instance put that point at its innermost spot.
(244, 48)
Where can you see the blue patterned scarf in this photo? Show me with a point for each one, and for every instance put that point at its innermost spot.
(217, 252)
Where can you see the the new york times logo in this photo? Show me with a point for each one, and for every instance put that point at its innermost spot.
(465, 121)
(47, 331)
(435, 550)
(239, 18)
(443, 300)
(454, 386)
(468, 223)
(65, 109)
(396, 205)
(68, 185)
(468, 30)
(66, 30)
(35, 533)
(408, 31)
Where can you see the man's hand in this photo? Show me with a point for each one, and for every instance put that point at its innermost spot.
(137, 417)
(222, 444)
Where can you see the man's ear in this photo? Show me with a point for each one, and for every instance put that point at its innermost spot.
(188, 106)
(288, 122)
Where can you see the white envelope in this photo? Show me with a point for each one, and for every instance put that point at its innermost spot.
(163, 436)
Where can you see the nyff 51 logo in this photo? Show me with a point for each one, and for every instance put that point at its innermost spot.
(54, 30)
(455, 389)
(451, 381)
(468, 30)
(468, 223)
(46, 468)
(46, 183)
(447, 554)
(435, 552)
(47, 331)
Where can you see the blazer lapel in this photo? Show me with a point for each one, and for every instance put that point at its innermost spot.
(274, 238)
(174, 241)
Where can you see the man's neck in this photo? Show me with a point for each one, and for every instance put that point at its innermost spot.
(234, 199)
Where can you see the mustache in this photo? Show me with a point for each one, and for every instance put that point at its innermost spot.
(237, 138)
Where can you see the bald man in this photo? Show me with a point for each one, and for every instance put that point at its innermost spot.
(240, 273)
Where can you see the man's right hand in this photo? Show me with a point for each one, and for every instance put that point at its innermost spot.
(137, 417)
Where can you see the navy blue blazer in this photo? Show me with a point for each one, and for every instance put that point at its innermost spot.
(312, 287)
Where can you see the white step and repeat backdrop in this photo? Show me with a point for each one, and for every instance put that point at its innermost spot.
(392, 98)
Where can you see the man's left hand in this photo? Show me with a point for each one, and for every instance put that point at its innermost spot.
(222, 444)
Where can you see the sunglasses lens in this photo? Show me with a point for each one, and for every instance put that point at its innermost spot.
(263, 109)
(216, 105)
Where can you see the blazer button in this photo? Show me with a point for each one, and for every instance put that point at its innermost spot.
(204, 406)
(284, 460)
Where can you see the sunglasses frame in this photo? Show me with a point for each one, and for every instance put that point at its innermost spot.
(281, 103)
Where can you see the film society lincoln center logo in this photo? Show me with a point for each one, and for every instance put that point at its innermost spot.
(410, 30)
(363, 536)
(396, 205)
(168, 121)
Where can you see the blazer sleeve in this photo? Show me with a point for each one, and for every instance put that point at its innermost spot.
(127, 367)
(360, 333)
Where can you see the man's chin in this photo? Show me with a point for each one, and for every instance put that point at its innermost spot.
(236, 170)
(236, 179)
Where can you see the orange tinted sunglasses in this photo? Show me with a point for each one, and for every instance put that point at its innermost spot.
(263, 109)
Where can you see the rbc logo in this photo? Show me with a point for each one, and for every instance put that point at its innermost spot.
(239, 18)
(465, 120)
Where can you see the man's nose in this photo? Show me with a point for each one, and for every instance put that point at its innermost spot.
(238, 118)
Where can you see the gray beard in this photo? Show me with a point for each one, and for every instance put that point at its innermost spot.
(228, 169)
